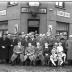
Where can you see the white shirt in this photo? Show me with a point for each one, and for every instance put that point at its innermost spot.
(59, 49)
(54, 57)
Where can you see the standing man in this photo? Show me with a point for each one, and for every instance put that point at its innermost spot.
(5, 48)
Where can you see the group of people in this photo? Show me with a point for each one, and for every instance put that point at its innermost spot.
(32, 49)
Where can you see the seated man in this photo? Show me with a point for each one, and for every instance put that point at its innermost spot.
(39, 53)
(61, 55)
(18, 50)
(29, 53)
(46, 53)
(53, 57)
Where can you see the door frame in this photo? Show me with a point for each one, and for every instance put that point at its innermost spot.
(33, 20)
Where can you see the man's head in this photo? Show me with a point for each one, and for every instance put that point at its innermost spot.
(19, 43)
(46, 44)
(4, 36)
(29, 44)
(60, 43)
(38, 44)
(9, 35)
(62, 40)
(53, 51)
(55, 44)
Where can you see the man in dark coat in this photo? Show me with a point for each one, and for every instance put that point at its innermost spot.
(63, 41)
(5, 42)
(13, 42)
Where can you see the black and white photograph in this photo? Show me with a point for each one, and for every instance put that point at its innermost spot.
(35, 36)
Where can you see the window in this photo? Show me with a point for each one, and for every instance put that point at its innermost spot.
(12, 3)
(24, 10)
(60, 4)
(43, 11)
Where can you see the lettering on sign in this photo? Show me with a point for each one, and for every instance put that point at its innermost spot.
(3, 12)
(33, 3)
(64, 14)
(60, 13)
(67, 14)
(42, 10)
(24, 10)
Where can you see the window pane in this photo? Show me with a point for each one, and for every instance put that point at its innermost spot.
(57, 3)
(60, 3)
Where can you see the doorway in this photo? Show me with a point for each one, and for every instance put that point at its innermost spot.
(33, 25)
(33, 29)
(62, 28)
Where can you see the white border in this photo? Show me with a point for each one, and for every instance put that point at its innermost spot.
(36, 0)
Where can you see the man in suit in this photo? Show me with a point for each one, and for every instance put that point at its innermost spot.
(30, 53)
(13, 42)
(39, 53)
(18, 50)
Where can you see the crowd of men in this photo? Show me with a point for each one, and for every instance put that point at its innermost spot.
(32, 49)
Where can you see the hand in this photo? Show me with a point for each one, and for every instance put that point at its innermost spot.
(11, 45)
(3, 46)
(46, 54)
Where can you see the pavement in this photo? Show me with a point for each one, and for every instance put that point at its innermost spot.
(9, 68)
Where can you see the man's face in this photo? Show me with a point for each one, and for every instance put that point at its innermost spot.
(62, 41)
(38, 44)
(4, 36)
(19, 43)
(46, 44)
(29, 44)
(9, 36)
(14, 37)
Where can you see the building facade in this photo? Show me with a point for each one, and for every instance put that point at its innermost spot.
(37, 16)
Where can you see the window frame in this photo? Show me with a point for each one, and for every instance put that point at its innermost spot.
(60, 7)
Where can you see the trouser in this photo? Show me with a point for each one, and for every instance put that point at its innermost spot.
(41, 57)
(53, 61)
(31, 57)
(47, 59)
(60, 61)
(14, 56)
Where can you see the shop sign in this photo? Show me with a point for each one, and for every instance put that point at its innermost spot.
(2, 12)
(63, 14)
(25, 10)
(67, 14)
(33, 3)
(43, 10)
(60, 13)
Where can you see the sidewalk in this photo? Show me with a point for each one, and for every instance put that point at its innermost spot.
(8, 68)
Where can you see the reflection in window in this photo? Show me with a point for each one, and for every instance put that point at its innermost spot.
(60, 4)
